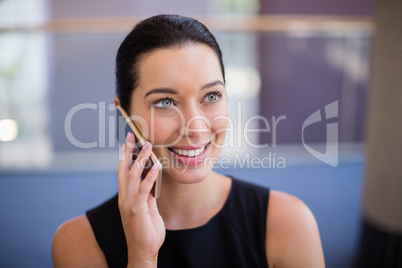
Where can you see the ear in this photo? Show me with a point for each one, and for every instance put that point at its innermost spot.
(116, 101)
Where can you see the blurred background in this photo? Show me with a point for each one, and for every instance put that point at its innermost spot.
(285, 60)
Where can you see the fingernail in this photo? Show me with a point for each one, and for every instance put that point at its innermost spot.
(128, 136)
(122, 147)
(146, 144)
(154, 167)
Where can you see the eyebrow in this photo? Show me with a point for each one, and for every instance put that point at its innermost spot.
(172, 91)
(161, 90)
(212, 84)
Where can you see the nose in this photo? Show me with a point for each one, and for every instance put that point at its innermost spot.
(196, 123)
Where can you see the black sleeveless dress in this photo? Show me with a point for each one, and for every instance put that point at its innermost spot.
(234, 237)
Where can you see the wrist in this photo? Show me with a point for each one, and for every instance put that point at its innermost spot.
(138, 263)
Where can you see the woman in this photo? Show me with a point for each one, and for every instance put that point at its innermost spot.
(169, 72)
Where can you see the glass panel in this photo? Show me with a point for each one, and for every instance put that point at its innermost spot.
(58, 89)
(24, 114)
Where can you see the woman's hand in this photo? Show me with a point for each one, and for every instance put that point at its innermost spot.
(143, 226)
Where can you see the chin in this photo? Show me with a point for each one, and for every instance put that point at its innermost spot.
(187, 175)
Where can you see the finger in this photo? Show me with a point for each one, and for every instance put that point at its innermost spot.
(121, 174)
(135, 154)
(152, 205)
(141, 161)
(130, 144)
(124, 165)
(145, 187)
(134, 176)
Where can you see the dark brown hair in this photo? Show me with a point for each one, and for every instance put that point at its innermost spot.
(162, 31)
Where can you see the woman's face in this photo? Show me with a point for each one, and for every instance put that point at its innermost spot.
(180, 105)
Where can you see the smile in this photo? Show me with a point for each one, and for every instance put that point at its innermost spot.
(189, 153)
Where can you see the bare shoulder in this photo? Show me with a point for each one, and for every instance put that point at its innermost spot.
(292, 237)
(74, 245)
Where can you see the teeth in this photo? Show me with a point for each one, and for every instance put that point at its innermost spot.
(189, 153)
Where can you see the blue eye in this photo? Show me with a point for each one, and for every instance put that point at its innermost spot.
(166, 103)
(213, 96)
(163, 103)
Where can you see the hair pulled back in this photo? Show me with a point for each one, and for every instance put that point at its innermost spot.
(161, 31)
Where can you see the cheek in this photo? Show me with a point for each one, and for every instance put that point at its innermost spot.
(163, 130)
(220, 124)
(219, 128)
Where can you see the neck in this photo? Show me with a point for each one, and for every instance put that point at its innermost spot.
(184, 206)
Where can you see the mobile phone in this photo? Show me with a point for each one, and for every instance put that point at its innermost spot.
(156, 189)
